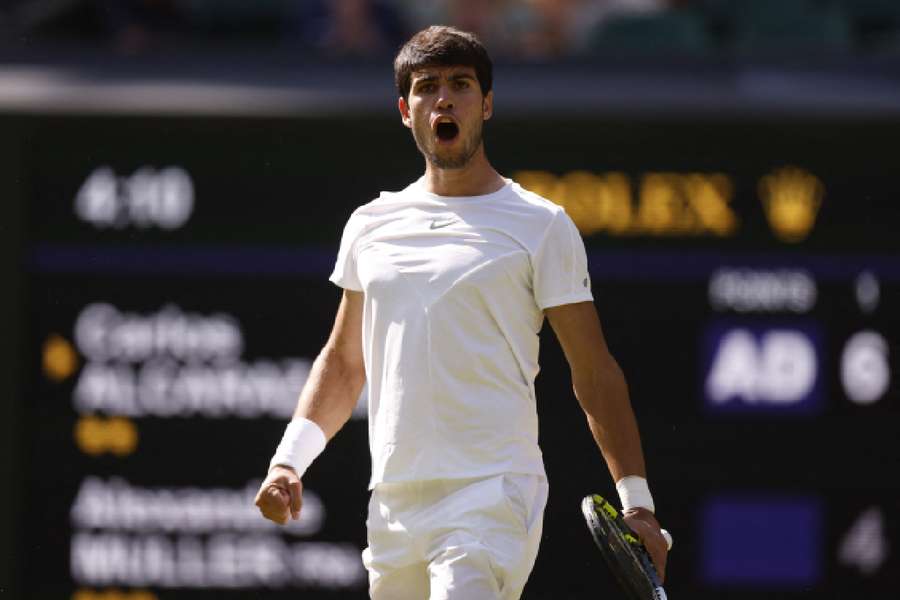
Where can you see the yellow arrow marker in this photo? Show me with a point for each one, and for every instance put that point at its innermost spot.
(59, 358)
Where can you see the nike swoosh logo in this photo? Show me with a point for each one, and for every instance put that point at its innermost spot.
(439, 224)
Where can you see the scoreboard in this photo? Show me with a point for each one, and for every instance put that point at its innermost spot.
(175, 276)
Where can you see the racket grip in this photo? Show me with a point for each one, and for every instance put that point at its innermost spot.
(668, 537)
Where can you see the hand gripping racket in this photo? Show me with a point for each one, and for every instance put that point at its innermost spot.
(625, 554)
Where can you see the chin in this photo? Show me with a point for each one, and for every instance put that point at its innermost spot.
(456, 161)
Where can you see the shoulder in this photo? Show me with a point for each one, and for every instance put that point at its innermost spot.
(385, 203)
(543, 213)
(535, 206)
(384, 208)
(536, 202)
(556, 227)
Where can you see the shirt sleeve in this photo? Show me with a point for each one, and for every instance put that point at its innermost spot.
(345, 272)
(560, 265)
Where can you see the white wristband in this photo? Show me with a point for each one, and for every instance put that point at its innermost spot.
(302, 442)
(633, 492)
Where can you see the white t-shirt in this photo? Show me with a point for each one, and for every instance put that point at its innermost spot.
(455, 289)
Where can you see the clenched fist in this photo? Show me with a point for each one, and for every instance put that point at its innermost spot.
(278, 497)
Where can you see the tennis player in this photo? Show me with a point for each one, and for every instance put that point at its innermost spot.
(446, 285)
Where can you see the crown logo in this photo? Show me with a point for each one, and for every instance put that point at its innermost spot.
(791, 198)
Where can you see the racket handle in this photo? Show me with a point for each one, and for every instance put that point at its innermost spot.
(668, 537)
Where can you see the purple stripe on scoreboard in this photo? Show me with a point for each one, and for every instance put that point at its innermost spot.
(762, 541)
(318, 260)
(196, 259)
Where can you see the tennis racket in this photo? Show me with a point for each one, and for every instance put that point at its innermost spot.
(623, 551)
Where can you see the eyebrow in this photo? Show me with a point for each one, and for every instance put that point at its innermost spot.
(453, 77)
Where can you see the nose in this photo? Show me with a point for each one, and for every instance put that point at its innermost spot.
(444, 98)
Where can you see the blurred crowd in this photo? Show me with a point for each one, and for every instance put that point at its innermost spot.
(514, 29)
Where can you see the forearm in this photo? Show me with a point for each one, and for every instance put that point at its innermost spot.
(331, 391)
(603, 395)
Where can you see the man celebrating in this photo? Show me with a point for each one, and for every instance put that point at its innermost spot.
(446, 286)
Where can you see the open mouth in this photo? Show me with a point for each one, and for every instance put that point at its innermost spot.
(446, 130)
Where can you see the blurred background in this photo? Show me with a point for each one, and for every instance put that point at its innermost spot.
(174, 177)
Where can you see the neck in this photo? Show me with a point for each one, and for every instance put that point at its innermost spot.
(476, 178)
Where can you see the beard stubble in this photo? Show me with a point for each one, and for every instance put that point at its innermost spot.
(457, 160)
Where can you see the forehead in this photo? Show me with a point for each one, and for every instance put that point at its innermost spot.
(442, 72)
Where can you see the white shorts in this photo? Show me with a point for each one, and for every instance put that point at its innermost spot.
(454, 539)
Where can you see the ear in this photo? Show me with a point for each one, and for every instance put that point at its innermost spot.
(404, 111)
(487, 105)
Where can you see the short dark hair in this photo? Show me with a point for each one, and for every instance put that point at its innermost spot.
(443, 46)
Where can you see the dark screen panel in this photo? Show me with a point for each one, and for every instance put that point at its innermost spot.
(177, 290)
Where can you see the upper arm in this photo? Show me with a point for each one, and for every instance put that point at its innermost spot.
(345, 340)
(577, 326)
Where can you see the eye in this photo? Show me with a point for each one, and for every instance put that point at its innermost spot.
(462, 84)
